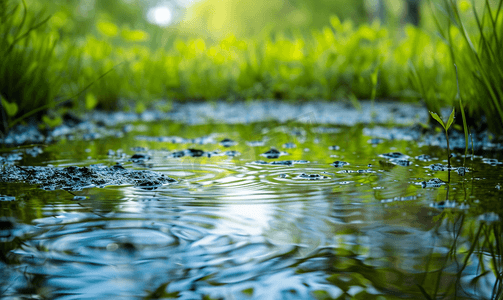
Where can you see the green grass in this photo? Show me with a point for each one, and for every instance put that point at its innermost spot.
(28, 65)
(476, 50)
(44, 62)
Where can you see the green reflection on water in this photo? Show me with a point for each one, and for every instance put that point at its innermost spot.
(369, 227)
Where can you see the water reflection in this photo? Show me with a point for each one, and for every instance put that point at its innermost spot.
(237, 229)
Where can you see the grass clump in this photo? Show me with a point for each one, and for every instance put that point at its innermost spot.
(473, 32)
(28, 67)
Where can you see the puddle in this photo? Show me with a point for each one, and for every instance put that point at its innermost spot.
(167, 209)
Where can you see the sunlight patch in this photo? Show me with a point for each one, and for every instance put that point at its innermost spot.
(160, 15)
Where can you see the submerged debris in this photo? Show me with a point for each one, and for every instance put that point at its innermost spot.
(77, 178)
(339, 164)
(434, 182)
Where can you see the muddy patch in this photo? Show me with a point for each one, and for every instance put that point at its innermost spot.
(77, 178)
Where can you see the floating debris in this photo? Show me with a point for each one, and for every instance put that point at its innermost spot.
(188, 152)
(423, 157)
(273, 153)
(139, 157)
(282, 162)
(228, 143)
(461, 171)
(334, 148)
(339, 164)
(77, 178)
(438, 167)
(79, 198)
(260, 162)
(312, 176)
(432, 183)
(491, 161)
(283, 175)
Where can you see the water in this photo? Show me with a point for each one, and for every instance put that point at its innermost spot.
(236, 226)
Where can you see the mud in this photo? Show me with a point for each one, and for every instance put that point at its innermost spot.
(78, 178)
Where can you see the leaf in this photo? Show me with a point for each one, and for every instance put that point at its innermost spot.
(436, 117)
(91, 101)
(52, 122)
(10, 108)
(451, 119)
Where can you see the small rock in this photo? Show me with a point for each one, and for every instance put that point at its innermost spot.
(139, 157)
(339, 164)
(434, 182)
(273, 153)
(461, 171)
(438, 167)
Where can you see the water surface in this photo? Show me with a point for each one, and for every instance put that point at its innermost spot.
(340, 214)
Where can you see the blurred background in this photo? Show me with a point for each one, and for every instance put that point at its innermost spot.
(295, 50)
(220, 18)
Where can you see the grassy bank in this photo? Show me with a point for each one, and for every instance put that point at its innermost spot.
(44, 64)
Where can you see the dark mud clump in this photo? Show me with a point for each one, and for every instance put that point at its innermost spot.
(339, 164)
(77, 178)
(273, 153)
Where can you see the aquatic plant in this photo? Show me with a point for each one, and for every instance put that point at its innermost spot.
(446, 127)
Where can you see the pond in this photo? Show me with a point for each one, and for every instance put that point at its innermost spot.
(264, 210)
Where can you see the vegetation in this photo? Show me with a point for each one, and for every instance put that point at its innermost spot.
(46, 59)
